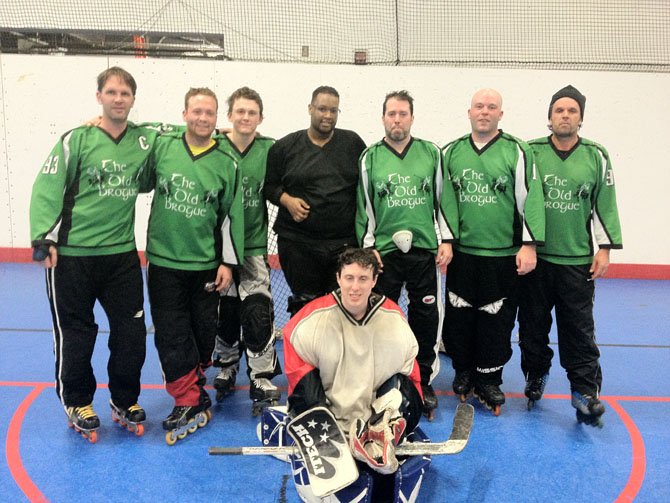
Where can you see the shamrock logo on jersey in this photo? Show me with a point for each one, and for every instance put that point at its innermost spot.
(95, 177)
(210, 197)
(500, 184)
(583, 191)
(163, 187)
(384, 189)
(426, 185)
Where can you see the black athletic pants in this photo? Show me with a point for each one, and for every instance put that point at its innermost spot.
(185, 317)
(567, 289)
(309, 268)
(480, 311)
(73, 286)
(416, 269)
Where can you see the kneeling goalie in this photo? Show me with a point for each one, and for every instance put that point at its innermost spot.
(350, 359)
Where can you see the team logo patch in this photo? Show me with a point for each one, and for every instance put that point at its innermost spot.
(428, 299)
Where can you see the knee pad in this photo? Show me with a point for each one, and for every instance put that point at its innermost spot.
(256, 316)
(229, 319)
(296, 302)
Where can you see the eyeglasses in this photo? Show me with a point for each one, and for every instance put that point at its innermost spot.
(325, 110)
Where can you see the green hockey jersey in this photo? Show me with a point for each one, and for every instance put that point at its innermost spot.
(404, 192)
(499, 196)
(83, 199)
(197, 219)
(251, 164)
(580, 201)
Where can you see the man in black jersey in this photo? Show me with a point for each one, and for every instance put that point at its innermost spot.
(312, 177)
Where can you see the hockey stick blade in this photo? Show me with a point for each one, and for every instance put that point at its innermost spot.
(460, 433)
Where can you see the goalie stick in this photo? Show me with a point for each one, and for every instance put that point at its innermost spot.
(460, 433)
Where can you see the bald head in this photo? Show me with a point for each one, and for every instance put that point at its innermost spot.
(485, 113)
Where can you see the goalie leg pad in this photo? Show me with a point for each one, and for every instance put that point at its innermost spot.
(409, 477)
(271, 429)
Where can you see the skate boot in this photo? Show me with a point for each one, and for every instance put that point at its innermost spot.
(263, 394)
(429, 401)
(84, 420)
(185, 419)
(462, 384)
(224, 382)
(589, 409)
(130, 418)
(490, 396)
(535, 388)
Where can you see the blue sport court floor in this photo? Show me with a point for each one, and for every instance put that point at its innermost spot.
(538, 455)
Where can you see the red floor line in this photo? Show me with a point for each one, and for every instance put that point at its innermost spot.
(549, 396)
(13, 448)
(639, 457)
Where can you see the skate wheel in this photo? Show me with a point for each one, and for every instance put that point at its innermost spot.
(193, 428)
(115, 419)
(530, 405)
(208, 413)
(170, 439)
(182, 436)
(203, 420)
(496, 410)
(139, 430)
(92, 436)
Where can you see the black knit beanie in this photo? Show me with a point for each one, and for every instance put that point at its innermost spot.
(569, 92)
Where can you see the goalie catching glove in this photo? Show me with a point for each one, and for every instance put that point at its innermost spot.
(374, 441)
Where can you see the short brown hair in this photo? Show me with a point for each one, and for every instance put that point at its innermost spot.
(400, 96)
(117, 71)
(195, 91)
(246, 93)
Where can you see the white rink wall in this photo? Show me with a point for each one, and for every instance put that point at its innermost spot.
(44, 96)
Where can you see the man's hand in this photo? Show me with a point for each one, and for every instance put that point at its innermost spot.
(94, 121)
(444, 254)
(48, 257)
(526, 259)
(296, 206)
(224, 277)
(379, 260)
(600, 263)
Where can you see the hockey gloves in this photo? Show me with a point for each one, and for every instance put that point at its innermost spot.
(374, 441)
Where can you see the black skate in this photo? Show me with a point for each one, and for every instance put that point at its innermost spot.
(589, 409)
(462, 384)
(224, 382)
(130, 418)
(263, 394)
(84, 420)
(429, 401)
(490, 396)
(185, 419)
(535, 388)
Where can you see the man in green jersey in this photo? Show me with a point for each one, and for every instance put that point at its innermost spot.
(195, 238)
(580, 208)
(401, 196)
(501, 220)
(248, 301)
(82, 216)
